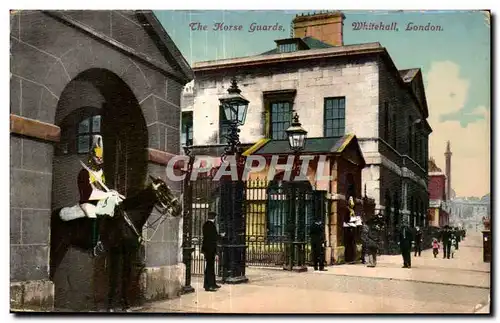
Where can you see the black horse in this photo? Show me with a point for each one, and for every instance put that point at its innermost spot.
(120, 234)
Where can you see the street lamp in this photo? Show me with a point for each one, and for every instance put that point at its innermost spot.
(295, 227)
(187, 247)
(233, 192)
(296, 135)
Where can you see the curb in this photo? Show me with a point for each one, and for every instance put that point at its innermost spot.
(415, 281)
(383, 278)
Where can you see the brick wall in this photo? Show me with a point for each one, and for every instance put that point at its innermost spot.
(437, 184)
(402, 107)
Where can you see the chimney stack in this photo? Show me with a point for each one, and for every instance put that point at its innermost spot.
(326, 27)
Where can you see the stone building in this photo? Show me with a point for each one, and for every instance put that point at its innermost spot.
(439, 205)
(336, 89)
(469, 212)
(74, 73)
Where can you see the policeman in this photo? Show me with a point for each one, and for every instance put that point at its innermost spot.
(317, 235)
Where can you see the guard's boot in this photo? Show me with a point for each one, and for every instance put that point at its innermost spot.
(98, 247)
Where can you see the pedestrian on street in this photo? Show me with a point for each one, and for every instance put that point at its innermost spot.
(209, 249)
(317, 235)
(418, 241)
(458, 237)
(435, 247)
(452, 248)
(446, 240)
(405, 241)
(370, 237)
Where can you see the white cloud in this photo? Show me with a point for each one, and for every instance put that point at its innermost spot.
(446, 91)
(470, 164)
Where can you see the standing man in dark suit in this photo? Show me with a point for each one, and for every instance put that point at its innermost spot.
(405, 240)
(446, 239)
(317, 234)
(209, 249)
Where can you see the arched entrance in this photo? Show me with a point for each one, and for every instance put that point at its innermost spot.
(96, 101)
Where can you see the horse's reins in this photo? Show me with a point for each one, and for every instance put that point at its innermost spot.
(125, 216)
(160, 219)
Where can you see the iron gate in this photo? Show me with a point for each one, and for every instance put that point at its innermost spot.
(204, 199)
(267, 214)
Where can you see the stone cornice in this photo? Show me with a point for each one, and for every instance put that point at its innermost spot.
(34, 128)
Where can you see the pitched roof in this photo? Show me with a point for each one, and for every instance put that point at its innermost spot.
(409, 74)
(310, 42)
(432, 166)
(282, 147)
(314, 43)
(172, 53)
(321, 145)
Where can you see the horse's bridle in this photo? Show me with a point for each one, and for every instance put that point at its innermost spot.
(163, 213)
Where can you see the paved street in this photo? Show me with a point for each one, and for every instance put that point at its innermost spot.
(430, 286)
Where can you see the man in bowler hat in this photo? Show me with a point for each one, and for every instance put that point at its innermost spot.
(209, 249)
(405, 241)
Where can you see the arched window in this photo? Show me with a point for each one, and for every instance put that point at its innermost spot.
(77, 129)
(86, 128)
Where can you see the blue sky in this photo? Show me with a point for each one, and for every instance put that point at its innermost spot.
(455, 63)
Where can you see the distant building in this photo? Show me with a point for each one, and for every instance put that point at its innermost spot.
(462, 211)
(336, 89)
(439, 210)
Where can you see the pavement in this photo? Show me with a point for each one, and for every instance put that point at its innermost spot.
(432, 285)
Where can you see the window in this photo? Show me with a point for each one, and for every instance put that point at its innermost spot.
(86, 128)
(410, 137)
(417, 146)
(394, 132)
(277, 208)
(281, 118)
(423, 151)
(334, 117)
(278, 109)
(224, 126)
(387, 125)
(286, 48)
(187, 128)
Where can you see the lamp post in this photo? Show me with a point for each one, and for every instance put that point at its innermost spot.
(233, 192)
(187, 224)
(296, 224)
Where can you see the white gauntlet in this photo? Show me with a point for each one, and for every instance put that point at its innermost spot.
(99, 195)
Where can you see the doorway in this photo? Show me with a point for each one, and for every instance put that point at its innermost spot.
(96, 101)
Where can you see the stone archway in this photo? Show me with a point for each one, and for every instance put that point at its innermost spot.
(95, 101)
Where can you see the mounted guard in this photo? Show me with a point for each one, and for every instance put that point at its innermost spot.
(96, 199)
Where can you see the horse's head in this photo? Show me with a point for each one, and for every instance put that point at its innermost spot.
(165, 198)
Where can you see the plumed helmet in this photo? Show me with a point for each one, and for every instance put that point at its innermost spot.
(96, 152)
